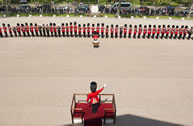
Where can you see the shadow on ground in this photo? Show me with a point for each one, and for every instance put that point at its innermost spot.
(133, 120)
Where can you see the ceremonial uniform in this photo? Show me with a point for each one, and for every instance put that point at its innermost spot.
(93, 29)
(67, 30)
(190, 32)
(176, 32)
(51, 30)
(112, 31)
(135, 31)
(1, 34)
(32, 29)
(59, 31)
(102, 30)
(125, 31)
(79, 30)
(27, 29)
(130, 31)
(63, 30)
(139, 31)
(116, 31)
(149, 32)
(172, 30)
(163, 31)
(15, 31)
(36, 29)
(120, 31)
(75, 29)
(98, 29)
(55, 29)
(5, 30)
(181, 32)
(10, 30)
(71, 29)
(107, 31)
(84, 30)
(167, 31)
(185, 32)
(88, 30)
(23, 30)
(18, 29)
(153, 31)
(158, 31)
(144, 31)
(44, 30)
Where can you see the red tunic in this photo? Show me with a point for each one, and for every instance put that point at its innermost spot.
(31, 28)
(130, 30)
(107, 30)
(95, 37)
(79, 29)
(9, 28)
(154, 30)
(116, 30)
(18, 29)
(0, 30)
(23, 29)
(125, 30)
(88, 29)
(84, 29)
(181, 31)
(75, 28)
(27, 28)
(51, 28)
(176, 31)
(5, 29)
(97, 29)
(71, 28)
(185, 31)
(135, 30)
(93, 96)
(172, 31)
(149, 30)
(140, 30)
(55, 28)
(168, 31)
(36, 28)
(163, 30)
(102, 29)
(63, 28)
(93, 28)
(158, 30)
(112, 30)
(67, 28)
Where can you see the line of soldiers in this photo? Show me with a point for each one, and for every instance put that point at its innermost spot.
(78, 30)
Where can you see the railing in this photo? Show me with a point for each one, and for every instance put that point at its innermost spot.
(80, 110)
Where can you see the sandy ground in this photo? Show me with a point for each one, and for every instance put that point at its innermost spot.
(151, 79)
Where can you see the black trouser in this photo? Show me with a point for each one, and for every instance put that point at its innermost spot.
(134, 35)
(52, 34)
(102, 34)
(171, 35)
(28, 34)
(184, 36)
(75, 33)
(107, 35)
(36, 33)
(55, 33)
(79, 33)
(84, 34)
(44, 33)
(148, 36)
(32, 33)
(180, 36)
(1, 35)
(67, 34)
(116, 35)
(58, 33)
(71, 34)
(125, 35)
(15, 33)
(24, 34)
(162, 36)
(139, 34)
(189, 35)
(111, 35)
(153, 35)
(48, 33)
(63, 34)
(19, 33)
(144, 34)
(88, 34)
(95, 107)
(166, 35)
(120, 34)
(176, 35)
(11, 34)
(6, 34)
(129, 36)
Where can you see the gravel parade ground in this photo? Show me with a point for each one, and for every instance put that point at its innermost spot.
(152, 79)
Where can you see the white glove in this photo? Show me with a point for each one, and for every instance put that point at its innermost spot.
(104, 85)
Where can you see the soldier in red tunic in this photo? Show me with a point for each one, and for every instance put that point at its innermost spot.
(116, 31)
(185, 32)
(44, 30)
(181, 32)
(71, 30)
(5, 30)
(176, 32)
(48, 30)
(88, 30)
(1, 34)
(51, 30)
(149, 32)
(93, 29)
(93, 96)
(55, 29)
(163, 31)
(139, 31)
(23, 30)
(84, 30)
(135, 31)
(98, 29)
(67, 30)
(190, 32)
(158, 31)
(112, 31)
(32, 29)
(125, 31)
(63, 30)
(40, 30)
(107, 31)
(18, 29)
(75, 29)
(79, 30)
(167, 31)
(102, 30)
(130, 31)
(172, 31)
(9, 30)
(59, 31)
(144, 31)
(153, 31)
(27, 29)
(120, 31)
(36, 29)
